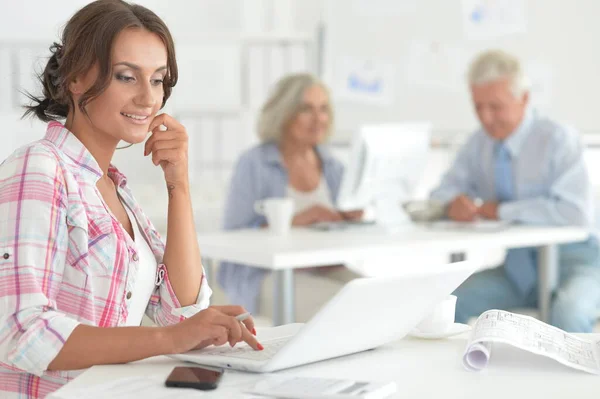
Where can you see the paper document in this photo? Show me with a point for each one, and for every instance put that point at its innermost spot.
(492, 19)
(126, 388)
(532, 335)
(364, 80)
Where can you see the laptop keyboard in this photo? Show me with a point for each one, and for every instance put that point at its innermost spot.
(243, 351)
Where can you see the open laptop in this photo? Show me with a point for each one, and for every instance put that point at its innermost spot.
(365, 313)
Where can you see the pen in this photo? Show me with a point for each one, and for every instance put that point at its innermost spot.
(243, 316)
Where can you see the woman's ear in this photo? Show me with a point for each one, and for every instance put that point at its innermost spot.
(80, 84)
(76, 86)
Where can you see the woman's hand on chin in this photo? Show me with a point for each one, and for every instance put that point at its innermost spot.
(169, 149)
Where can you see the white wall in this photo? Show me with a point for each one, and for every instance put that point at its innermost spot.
(230, 52)
(33, 20)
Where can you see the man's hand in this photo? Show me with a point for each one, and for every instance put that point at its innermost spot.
(489, 210)
(462, 209)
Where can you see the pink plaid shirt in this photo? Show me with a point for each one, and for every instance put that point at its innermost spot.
(65, 260)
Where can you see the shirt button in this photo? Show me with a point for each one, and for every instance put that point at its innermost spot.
(129, 295)
(135, 257)
(6, 256)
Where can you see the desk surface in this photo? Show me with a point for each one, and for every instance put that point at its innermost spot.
(421, 368)
(305, 247)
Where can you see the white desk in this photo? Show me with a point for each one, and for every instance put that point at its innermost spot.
(306, 248)
(421, 369)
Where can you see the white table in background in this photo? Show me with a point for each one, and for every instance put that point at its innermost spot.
(421, 369)
(304, 247)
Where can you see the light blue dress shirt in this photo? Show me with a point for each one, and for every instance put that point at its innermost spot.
(551, 183)
(547, 184)
(260, 173)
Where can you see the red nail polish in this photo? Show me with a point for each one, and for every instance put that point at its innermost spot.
(260, 347)
(254, 331)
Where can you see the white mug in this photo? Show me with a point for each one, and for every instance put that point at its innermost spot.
(278, 211)
(441, 318)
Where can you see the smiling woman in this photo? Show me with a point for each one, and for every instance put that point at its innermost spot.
(82, 263)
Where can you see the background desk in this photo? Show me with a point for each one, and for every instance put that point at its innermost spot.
(421, 369)
(310, 248)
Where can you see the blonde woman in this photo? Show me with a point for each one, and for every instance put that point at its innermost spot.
(291, 161)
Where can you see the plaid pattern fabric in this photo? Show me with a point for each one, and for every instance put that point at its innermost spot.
(65, 260)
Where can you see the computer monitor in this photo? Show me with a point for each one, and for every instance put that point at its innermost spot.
(386, 164)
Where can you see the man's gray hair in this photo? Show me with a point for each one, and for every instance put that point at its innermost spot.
(284, 103)
(494, 65)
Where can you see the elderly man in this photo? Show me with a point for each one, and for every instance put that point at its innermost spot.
(522, 168)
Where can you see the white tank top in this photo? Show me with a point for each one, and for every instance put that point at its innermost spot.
(145, 279)
(305, 199)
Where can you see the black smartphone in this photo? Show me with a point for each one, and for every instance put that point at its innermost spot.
(194, 377)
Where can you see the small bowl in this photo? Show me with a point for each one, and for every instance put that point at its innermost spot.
(425, 210)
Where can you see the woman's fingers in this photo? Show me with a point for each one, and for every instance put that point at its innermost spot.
(221, 339)
(165, 120)
(233, 310)
(232, 325)
(163, 145)
(172, 155)
(238, 332)
(218, 325)
(161, 137)
(251, 340)
(216, 335)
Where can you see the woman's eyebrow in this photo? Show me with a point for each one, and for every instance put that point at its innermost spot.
(137, 67)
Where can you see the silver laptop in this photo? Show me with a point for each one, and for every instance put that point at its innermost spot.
(365, 313)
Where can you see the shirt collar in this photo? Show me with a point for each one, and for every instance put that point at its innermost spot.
(514, 142)
(273, 156)
(70, 145)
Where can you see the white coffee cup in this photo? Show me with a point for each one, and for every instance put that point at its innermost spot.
(279, 213)
(441, 318)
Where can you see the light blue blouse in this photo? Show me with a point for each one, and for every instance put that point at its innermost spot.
(260, 173)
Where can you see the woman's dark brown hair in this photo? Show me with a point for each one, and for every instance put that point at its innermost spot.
(87, 39)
